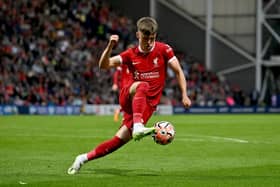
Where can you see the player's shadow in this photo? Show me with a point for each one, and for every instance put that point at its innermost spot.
(121, 172)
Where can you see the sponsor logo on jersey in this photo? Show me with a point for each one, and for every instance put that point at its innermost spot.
(136, 75)
(146, 75)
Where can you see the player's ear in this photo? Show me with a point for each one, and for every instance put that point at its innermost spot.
(137, 35)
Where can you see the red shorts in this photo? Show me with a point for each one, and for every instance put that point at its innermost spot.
(126, 108)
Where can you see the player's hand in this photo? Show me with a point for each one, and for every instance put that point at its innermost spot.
(115, 87)
(113, 40)
(186, 102)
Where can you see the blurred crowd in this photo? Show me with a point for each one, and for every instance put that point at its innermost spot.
(49, 52)
(205, 88)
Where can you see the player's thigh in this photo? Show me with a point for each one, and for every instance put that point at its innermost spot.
(133, 87)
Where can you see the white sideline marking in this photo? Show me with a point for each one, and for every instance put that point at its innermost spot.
(21, 182)
(201, 138)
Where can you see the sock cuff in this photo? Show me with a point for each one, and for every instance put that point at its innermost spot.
(116, 138)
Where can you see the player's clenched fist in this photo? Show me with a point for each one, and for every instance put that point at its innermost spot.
(114, 39)
(186, 102)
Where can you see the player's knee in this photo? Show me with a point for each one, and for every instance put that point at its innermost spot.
(142, 87)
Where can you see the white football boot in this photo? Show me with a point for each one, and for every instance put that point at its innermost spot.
(140, 131)
(77, 164)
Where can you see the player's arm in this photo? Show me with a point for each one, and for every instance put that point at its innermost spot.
(106, 61)
(175, 66)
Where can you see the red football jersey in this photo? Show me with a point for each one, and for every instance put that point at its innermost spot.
(149, 67)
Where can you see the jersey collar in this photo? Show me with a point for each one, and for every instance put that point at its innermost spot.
(141, 51)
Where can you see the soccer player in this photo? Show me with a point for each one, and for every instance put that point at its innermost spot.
(121, 77)
(147, 63)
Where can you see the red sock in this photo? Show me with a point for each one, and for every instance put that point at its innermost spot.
(139, 102)
(105, 148)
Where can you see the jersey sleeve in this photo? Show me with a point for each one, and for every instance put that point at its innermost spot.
(125, 56)
(169, 53)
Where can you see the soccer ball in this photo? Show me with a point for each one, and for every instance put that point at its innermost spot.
(164, 132)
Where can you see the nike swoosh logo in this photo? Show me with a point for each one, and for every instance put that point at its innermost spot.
(134, 63)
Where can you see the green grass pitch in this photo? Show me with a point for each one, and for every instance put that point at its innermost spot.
(208, 150)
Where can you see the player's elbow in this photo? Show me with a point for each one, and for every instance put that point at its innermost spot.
(103, 65)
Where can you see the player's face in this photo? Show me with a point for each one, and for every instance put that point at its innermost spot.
(146, 42)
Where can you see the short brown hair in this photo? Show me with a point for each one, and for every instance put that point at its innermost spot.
(147, 25)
